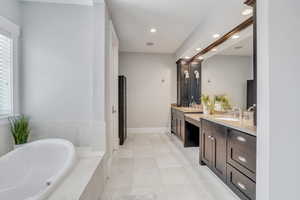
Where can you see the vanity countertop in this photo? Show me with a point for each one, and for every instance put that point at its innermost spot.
(187, 109)
(238, 125)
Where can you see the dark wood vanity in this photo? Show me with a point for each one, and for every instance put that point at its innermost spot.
(178, 124)
(231, 155)
(228, 149)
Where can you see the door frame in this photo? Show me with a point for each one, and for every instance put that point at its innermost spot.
(113, 87)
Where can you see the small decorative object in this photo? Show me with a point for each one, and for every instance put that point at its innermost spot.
(20, 130)
(208, 104)
(222, 103)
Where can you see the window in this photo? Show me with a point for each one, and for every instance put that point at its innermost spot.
(6, 72)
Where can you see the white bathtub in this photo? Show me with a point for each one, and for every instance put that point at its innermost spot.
(34, 170)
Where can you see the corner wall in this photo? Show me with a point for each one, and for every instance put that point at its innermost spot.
(151, 88)
(278, 72)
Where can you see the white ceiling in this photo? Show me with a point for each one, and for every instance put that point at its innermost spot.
(175, 20)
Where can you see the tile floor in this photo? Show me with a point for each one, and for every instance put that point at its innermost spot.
(157, 167)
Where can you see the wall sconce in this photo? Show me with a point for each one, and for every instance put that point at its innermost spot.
(197, 74)
(186, 74)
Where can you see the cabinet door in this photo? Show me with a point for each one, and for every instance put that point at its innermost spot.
(182, 130)
(173, 121)
(243, 186)
(177, 132)
(206, 143)
(219, 150)
(241, 152)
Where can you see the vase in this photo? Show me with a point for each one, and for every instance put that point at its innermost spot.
(205, 110)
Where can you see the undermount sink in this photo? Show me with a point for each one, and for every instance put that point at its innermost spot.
(228, 119)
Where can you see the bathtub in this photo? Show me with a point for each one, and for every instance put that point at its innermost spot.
(34, 170)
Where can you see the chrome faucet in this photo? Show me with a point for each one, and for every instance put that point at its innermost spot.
(252, 108)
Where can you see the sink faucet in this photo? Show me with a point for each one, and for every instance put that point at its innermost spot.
(252, 108)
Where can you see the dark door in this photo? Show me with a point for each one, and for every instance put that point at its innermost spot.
(122, 110)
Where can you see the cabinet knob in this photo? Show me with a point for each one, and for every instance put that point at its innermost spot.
(242, 186)
(241, 139)
(242, 159)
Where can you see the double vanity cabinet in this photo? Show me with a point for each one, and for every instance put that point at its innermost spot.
(231, 155)
(227, 148)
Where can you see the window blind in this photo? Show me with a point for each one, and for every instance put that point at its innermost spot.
(6, 65)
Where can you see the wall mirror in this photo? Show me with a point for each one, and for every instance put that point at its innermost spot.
(228, 70)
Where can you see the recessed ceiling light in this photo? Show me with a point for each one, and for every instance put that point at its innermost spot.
(214, 49)
(153, 30)
(200, 58)
(198, 49)
(216, 35)
(235, 37)
(149, 43)
(247, 11)
(187, 57)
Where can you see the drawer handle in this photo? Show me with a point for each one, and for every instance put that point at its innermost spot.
(241, 139)
(242, 159)
(242, 186)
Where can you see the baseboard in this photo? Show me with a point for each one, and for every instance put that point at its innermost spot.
(148, 130)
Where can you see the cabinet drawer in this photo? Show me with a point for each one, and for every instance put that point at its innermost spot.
(241, 152)
(240, 184)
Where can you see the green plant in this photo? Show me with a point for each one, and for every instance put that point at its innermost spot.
(19, 127)
(208, 103)
(224, 101)
(205, 99)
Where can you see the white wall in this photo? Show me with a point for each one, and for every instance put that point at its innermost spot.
(9, 9)
(278, 100)
(149, 98)
(63, 71)
(227, 75)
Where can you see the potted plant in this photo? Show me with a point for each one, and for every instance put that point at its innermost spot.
(20, 130)
(222, 103)
(208, 104)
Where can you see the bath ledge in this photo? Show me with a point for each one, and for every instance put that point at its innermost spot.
(74, 185)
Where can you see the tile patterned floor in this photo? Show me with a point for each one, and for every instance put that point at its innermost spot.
(157, 167)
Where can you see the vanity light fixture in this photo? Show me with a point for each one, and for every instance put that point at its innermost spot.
(153, 30)
(216, 35)
(247, 11)
(235, 37)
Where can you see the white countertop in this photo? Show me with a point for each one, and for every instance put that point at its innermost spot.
(75, 183)
(238, 125)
